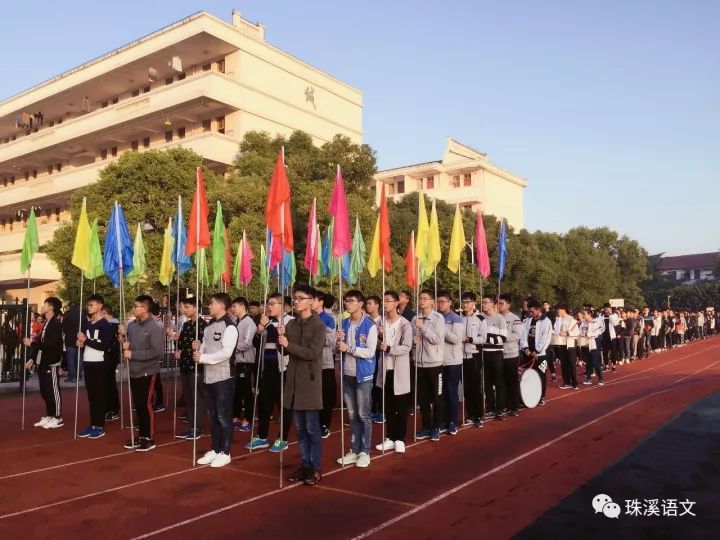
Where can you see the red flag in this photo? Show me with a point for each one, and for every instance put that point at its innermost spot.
(311, 254)
(341, 243)
(198, 235)
(227, 275)
(385, 231)
(482, 258)
(277, 210)
(411, 277)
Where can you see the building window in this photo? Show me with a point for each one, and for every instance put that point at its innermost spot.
(420, 184)
(180, 76)
(221, 65)
(146, 142)
(103, 104)
(34, 173)
(27, 177)
(169, 80)
(113, 151)
(50, 169)
(103, 153)
(391, 189)
(181, 133)
(401, 186)
(430, 182)
(115, 100)
(206, 124)
(168, 136)
(455, 182)
(146, 90)
(467, 180)
(135, 93)
(220, 124)
(134, 146)
(206, 67)
(58, 167)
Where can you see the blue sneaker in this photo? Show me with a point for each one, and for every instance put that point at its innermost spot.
(257, 443)
(185, 434)
(97, 432)
(443, 430)
(86, 432)
(435, 435)
(423, 434)
(189, 434)
(378, 418)
(244, 427)
(279, 445)
(452, 428)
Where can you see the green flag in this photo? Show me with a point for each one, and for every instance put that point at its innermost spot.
(293, 269)
(31, 243)
(219, 263)
(201, 266)
(138, 258)
(357, 258)
(237, 266)
(264, 274)
(96, 258)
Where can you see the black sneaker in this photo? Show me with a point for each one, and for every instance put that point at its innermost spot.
(185, 434)
(145, 445)
(500, 417)
(130, 445)
(325, 433)
(313, 478)
(515, 412)
(111, 416)
(300, 475)
(490, 414)
(158, 408)
(478, 423)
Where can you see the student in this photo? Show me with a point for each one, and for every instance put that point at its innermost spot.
(395, 347)
(216, 353)
(329, 385)
(159, 393)
(405, 306)
(112, 359)
(592, 330)
(304, 339)
(472, 361)
(430, 328)
(452, 361)
(534, 341)
(144, 349)
(70, 326)
(564, 333)
(495, 331)
(94, 340)
(244, 366)
(270, 371)
(357, 341)
(47, 354)
(373, 305)
(511, 353)
(184, 354)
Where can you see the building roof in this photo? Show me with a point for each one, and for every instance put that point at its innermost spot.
(684, 262)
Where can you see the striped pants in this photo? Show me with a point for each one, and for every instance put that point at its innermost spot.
(50, 390)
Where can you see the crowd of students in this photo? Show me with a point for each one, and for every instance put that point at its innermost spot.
(245, 363)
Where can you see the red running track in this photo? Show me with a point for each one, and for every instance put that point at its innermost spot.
(492, 481)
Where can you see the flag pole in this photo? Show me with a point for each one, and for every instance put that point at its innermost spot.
(122, 317)
(418, 345)
(27, 335)
(77, 365)
(281, 363)
(462, 363)
(384, 325)
(342, 375)
(261, 352)
(178, 329)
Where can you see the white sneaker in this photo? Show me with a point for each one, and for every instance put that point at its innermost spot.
(208, 458)
(42, 421)
(220, 460)
(363, 460)
(387, 445)
(53, 423)
(400, 447)
(348, 459)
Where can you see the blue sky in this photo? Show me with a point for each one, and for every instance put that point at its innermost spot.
(611, 110)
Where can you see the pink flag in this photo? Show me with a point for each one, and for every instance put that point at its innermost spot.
(246, 273)
(338, 209)
(311, 255)
(481, 251)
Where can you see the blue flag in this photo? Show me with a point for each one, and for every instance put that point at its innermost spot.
(118, 250)
(183, 262)
(329, 263)
(502, 250)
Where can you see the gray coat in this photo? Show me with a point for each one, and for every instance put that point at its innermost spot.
(303, 379)
(147, 345)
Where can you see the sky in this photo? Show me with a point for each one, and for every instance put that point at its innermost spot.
(610, 110)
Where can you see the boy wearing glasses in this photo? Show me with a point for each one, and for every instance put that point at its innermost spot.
(472, 362)
(304, 339)
(144, 349)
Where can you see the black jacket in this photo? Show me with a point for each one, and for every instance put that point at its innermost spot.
(49, 345)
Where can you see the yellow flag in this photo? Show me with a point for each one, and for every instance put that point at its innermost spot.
(375, 261)
(457, 242)
(167, 265)
(422, 239)
(434, 254)
(81, 251)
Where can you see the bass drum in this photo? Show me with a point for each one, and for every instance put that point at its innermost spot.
(530, 388)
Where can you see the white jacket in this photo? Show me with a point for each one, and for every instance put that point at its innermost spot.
(543, 334)
(566, 324)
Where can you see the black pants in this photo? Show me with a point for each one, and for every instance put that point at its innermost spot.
(244, 400)
(376, 392)
(472, 387)
(95, 387)
(607, 348)
(112, 398)
(219, 397)
(396, 408)
(568, 359)
(430, 396)
(329, 396)
(541, 366)
(495, 391)
(551, 357)
(50, 390)
(269, 397)
(512, 382)
(187, 381)
(143, 394)
(159, 394)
